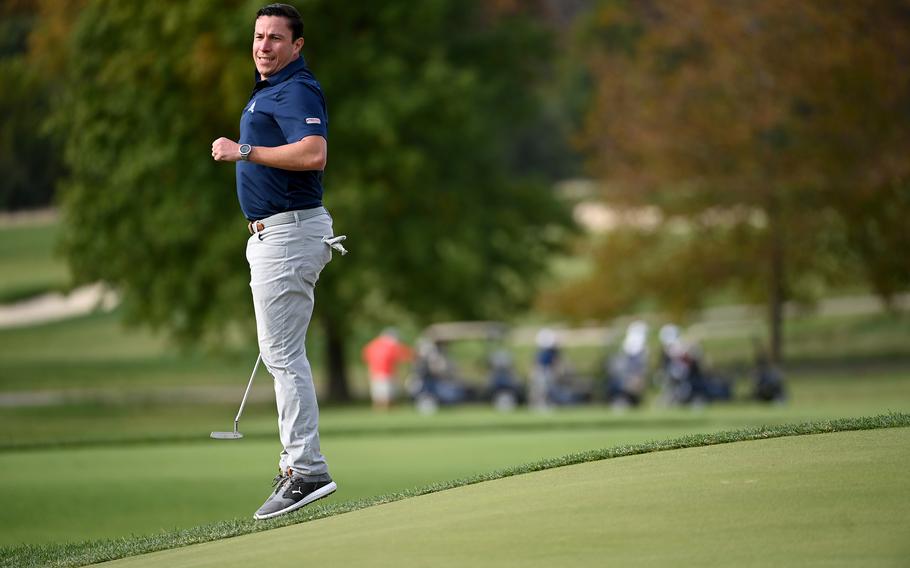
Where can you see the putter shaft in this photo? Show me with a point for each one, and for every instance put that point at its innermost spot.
(247, 392)
(236, 434)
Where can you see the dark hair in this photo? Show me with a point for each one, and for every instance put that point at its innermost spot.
(285, 11)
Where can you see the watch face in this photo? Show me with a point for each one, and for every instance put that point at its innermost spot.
(245, 150)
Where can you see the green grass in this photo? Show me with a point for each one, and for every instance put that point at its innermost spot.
(814, 395)
(182, 476)
(149, 488)
(95, 351)
(130, 416)
(832, 342)
(888, 460)
(28, 263)
(107, 450)
(789, 502)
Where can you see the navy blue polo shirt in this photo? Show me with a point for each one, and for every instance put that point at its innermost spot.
(283, 109)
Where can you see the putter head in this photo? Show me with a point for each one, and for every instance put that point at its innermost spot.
(227, 435)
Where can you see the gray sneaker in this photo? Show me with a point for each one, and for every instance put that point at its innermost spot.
(291, 493)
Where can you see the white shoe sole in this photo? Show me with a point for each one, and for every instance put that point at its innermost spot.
(323, 491)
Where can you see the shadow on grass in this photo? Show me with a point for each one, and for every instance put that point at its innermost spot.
(417, 430)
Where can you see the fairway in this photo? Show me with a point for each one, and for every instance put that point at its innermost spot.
(828, 499)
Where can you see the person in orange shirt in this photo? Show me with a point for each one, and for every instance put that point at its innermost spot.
(382, 356)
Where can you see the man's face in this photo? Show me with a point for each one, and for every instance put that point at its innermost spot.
(273, 48)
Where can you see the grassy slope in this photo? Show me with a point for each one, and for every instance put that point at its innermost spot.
(80, 554)
(793, 501)
(137, 488)
(146, 489)
(123, 488)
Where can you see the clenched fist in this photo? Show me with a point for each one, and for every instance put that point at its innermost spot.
(225, 150)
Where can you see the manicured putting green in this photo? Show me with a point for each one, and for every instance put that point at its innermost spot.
(825, 499)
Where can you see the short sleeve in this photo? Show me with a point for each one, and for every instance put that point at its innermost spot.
(300, 112)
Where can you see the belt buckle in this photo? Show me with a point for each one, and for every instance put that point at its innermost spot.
(259, 227)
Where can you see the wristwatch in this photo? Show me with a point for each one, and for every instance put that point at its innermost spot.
(245, 150)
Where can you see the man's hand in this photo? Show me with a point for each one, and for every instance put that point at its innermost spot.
(306, 154)
(225, 150)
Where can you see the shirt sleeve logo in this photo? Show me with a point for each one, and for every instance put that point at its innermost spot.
(251, 107)
(313, 121)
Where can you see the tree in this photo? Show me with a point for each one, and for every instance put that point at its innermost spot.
(426, 99)
(29, 155)
(752, 127)
(423, 99)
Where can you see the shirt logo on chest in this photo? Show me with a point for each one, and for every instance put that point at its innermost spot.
(251, 107)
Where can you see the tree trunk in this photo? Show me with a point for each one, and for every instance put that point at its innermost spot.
(777, 277)
(335, 344)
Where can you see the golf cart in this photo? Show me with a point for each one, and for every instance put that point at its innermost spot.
(684, 377)
(463, 362)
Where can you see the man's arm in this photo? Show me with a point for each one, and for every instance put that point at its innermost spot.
(309, 153)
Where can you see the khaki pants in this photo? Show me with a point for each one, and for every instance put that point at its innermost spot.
(285, 263)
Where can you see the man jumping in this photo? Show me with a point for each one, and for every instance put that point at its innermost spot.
(280, 157)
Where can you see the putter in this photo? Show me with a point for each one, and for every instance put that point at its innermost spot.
(235, 435)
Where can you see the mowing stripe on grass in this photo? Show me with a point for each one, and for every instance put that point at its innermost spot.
(80, 554)
(505, 423)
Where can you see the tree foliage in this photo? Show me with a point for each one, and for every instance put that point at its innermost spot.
(29, 154)
(772, 136)
(424, 99)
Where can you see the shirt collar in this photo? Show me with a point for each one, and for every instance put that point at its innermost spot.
(283, 75)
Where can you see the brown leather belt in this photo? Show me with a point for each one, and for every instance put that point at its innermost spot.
(256, 227)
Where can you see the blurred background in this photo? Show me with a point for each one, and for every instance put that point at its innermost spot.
(574, 224)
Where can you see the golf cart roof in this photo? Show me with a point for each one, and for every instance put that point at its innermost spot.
(462, 330)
